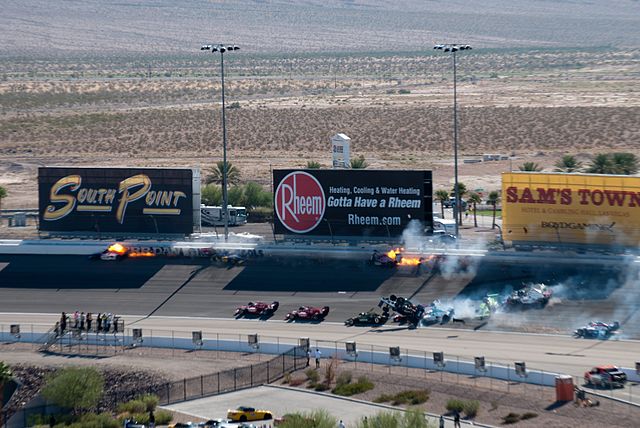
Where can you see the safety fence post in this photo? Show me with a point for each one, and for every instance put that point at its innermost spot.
(218, 382)
(268, 371)
(371, 357)
(235, 378)
(201, 385)
(251, 373)
(184, 388)
(173, 345)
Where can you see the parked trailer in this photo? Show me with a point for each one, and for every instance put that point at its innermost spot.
(212, 216)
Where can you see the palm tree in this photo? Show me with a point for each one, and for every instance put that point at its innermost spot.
(569, 164)
(442, 196)
(5, 376)
(216, 172)
(601, 164)
(493, 199)
(3, 194)
(474, 199)
(625, 163)
(313, 165)
(462, 190)
(530, 166)
(359, 163)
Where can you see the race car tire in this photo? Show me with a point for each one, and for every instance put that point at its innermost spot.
(376, 320)
(445, 319)
(267, 416)
(243, 418)
(348, 322)
(393, 297)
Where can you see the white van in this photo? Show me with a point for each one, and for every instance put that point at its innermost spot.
(448, 226)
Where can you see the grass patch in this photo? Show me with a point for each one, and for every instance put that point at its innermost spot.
(312, 376)
(411, 397)
(469, 407)
(362, 385)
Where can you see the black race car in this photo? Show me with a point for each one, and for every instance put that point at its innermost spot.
(403, 307)
(368, 318)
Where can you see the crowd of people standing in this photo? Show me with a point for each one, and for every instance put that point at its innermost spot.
(81, 322)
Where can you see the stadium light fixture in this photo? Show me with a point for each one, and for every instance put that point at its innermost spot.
(453, 48)
(221, 48)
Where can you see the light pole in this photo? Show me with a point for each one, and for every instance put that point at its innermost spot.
(222, 49)
(453, 48)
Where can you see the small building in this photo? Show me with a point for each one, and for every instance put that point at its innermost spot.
(341, 151)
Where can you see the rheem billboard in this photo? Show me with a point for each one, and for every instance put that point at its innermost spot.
(589, 209)
(115, 200)
(350, 202)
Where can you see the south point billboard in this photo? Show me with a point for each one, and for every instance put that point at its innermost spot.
(317, 202)
(589, 209)
(117, 200)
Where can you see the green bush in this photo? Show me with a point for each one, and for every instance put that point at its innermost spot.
(344, 378)
(133, 406)
(412, 397)
(404, 91)
(151, 401)
(471, 408)
(321, 387)
(315, 419)
(163, 417)
(312, 375)
(75, 388)
(528, 415)
(362, 385)
(455, 405)
(511, 418)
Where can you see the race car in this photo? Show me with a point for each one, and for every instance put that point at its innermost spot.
(256, 309)
(405, 310)
(597, 330)
(116, 251)
(368, 318)
(308, 313)
(530, 296)
(607, 376)
(244, 414)
(389, 259)
(489, 305)
(437, 314)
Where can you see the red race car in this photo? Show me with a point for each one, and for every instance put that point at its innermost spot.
(308, 313)
(256, 309)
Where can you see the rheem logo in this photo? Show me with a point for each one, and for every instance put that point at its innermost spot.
(299, 202)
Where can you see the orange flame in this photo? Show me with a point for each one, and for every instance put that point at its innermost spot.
(409, 261)
(393, 253)
(145, 254)
(117, 248)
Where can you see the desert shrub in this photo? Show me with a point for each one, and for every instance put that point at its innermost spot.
(150, 401)
(296, 382)
(383, 398)
(287, 378)
(404, 91)
(163, 417)
(528, 415)
(411, 397)
(330, 371)
(381, 420)
(315, 419)
(471, 408)
(455, 405)
(362, 385)
(133, 406)
(414, 418)
(75, 388)
(312, 376)
(321, 387)
(344, 378)
(511, 418)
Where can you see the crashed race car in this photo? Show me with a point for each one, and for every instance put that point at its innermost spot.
(607, 376)
(256, 309)
(489, 305)
(405, 310)
(394, 257)
(597, 330)
(437, 314)
(116, 251)
(530, 296)
(308, 313)
(368, 318)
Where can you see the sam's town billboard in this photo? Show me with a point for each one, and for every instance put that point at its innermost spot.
(571, 208)
(108, 200)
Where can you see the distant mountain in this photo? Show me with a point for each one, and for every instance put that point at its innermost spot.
(105, 27)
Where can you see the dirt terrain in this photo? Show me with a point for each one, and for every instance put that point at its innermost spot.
(531, 105)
